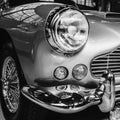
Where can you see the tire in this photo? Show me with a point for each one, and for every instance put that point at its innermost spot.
(13, 105)
(11, 82)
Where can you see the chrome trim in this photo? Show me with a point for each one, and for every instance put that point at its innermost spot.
(65, 102)
(49, 29)
(109, 61)
(10, 84)
(108, 99)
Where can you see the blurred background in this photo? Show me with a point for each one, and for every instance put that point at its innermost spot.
(101, 5)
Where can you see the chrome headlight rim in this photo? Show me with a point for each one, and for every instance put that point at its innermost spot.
(50, 25)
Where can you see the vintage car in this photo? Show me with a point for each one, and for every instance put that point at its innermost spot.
(60, 57)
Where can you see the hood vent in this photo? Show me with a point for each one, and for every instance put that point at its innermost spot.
(112, 15)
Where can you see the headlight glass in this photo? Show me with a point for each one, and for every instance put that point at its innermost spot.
(69, 29)
(60, 73)
(79, 71)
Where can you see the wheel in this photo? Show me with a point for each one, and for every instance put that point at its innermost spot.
(11, 98)
(13, 105)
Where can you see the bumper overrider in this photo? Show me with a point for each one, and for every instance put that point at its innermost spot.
(75, 101)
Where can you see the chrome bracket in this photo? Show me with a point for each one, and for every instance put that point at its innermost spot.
(108, 99)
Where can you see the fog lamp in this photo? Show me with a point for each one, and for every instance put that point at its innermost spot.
(79, 71)
(60, 73)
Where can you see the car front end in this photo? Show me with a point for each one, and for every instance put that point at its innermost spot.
(70, 58)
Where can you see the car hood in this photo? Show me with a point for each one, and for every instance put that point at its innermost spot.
(104, 30)
(111, 16)
(109, 19)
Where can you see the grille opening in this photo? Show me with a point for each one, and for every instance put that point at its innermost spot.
(107, 61)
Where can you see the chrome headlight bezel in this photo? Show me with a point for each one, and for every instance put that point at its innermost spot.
(61, 44)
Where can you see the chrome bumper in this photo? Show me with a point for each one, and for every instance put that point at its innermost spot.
(103, 96)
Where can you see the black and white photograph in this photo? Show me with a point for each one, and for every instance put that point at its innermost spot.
(59, 59)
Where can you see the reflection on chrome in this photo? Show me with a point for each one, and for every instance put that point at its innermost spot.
(67, 99)
(70, 98)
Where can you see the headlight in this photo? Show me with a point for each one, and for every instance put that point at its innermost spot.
(79, 71)
(60, 73)
(67, 29)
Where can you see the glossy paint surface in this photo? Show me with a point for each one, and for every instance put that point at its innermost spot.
(26, 26)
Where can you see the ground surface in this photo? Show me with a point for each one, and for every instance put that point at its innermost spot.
(92, 113)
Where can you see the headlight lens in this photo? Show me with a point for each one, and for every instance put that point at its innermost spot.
(60, 73)
(69, 30)
(79, 71)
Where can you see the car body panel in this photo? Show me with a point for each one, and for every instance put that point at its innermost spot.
(26, 25)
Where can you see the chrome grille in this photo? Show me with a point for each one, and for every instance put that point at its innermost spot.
(117, 92)
(107, 61)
